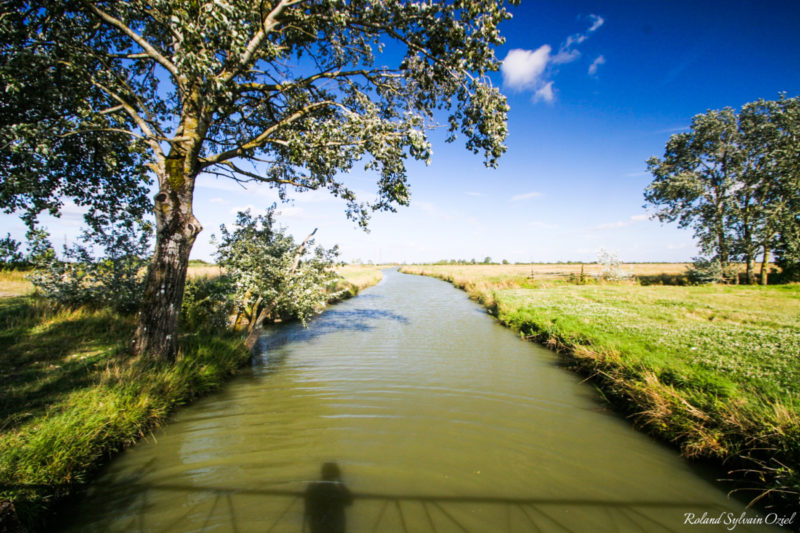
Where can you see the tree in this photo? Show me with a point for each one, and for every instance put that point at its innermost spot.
(285, 92)
(734, 179)
(694, 182)
(112, 280)
(56, 139)
(274, 278)
(10, 254)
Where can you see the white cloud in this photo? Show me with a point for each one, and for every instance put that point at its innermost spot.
(522, 68)
(218, 201)
(526, 196)
(527, 69)
(614, 225)
(600, 60)
(623, 223)
(597, 21)
(545, 93)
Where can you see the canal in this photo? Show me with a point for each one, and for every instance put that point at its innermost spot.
(438, 419)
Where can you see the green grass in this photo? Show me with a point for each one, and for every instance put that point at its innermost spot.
(714, 369)
(72, 395)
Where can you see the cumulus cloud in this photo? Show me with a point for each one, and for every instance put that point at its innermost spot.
(522, 68)
(527, 70)
(600, 60)
(525, 196)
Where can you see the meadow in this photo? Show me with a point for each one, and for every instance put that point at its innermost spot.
(713, 369)
(73, 396)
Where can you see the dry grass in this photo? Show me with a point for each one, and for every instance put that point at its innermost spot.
(13, 283)
(360, 276)
(205, 271)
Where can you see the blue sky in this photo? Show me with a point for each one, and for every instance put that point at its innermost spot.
(595, 88)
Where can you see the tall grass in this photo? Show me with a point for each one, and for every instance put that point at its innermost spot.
(713, 369)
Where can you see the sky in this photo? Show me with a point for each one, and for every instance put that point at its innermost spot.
(595, 89)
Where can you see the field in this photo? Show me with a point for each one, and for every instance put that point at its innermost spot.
(713, 369)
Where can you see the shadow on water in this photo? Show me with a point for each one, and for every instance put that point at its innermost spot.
(281, 508)
(332, 321)
(323, 505)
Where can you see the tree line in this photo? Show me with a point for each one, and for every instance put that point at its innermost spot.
(734, 178)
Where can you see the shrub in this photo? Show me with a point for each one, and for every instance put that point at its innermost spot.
(114, 280)
(208, 303)
(612, 266)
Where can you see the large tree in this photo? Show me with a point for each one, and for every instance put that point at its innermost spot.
(287, 92)
(733, 177)
(694, 183)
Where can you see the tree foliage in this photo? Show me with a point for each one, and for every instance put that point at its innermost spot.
(56, 141)
(287, 92)
(733, 178)
(273, 276)
(10, 254)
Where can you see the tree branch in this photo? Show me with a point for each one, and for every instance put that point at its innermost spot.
(135, 37)
(263, 137)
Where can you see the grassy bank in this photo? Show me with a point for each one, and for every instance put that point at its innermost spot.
(72, 395)
(713, 369)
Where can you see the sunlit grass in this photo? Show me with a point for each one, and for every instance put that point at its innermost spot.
(14, 283)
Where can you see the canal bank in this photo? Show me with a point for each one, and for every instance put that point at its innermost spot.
(437, 417)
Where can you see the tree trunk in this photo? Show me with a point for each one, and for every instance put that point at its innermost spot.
(751, 266)
(176, 229)
(765, 265)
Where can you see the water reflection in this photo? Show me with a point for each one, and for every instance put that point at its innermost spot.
(332, 321)
(325, 501)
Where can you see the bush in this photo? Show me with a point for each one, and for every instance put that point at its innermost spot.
(612, 266)
(208, 303)
(114, 281)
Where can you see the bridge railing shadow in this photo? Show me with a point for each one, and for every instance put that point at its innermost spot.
(439, 513)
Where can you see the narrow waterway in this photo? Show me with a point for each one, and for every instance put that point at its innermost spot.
(440, 420)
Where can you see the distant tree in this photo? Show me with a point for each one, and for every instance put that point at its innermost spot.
(286, 92)
(734, 179)
(274, 277)
(487, 260)
(10, 254)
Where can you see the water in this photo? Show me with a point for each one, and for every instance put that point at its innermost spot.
(439, 419)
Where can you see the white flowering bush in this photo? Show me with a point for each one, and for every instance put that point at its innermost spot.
(273, 276)
(612, 266)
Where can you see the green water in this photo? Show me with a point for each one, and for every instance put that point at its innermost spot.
(440, 420)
